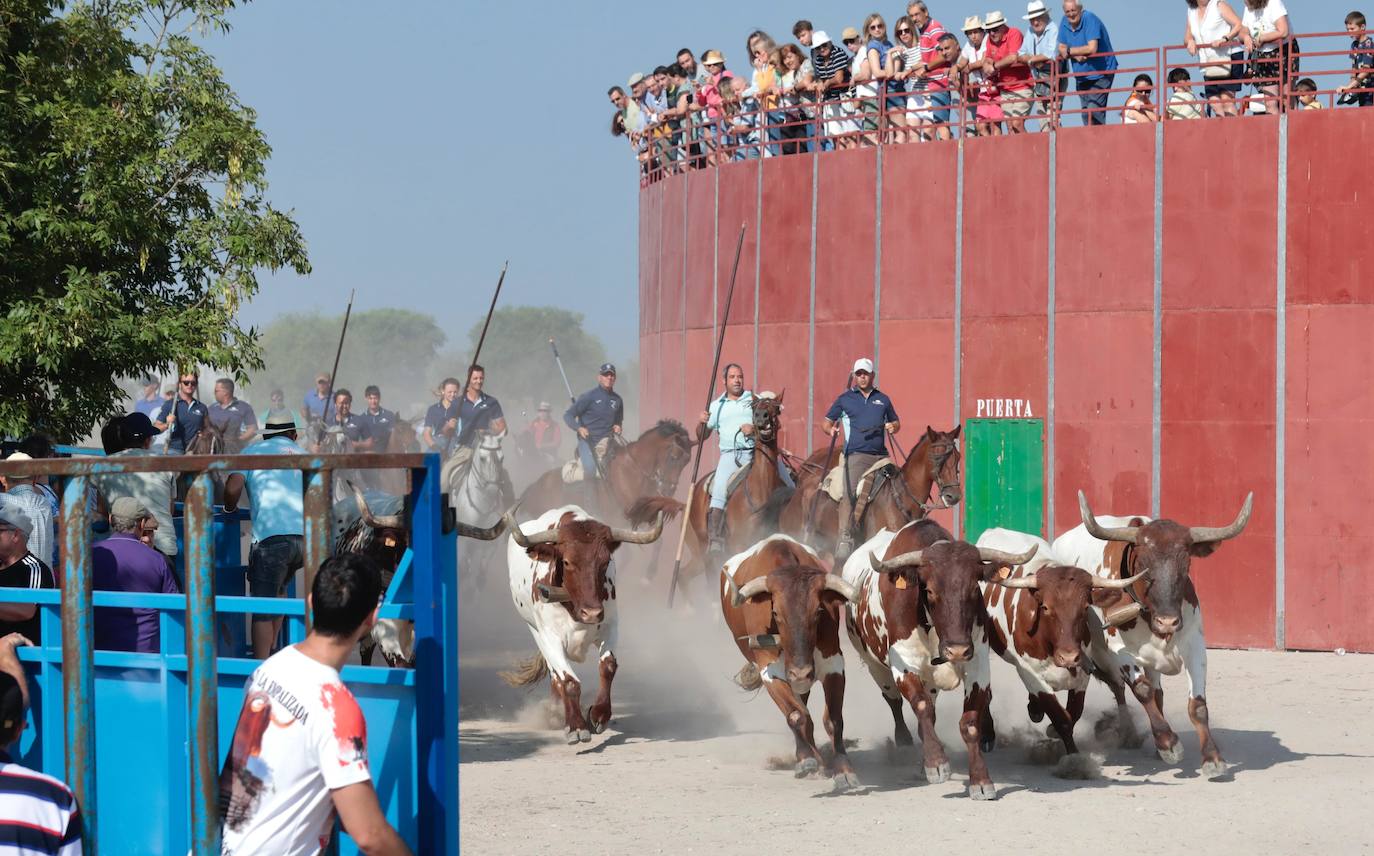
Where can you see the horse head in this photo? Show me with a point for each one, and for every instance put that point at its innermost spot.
(767, 409)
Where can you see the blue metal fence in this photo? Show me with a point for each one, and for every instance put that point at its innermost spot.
(141, 738)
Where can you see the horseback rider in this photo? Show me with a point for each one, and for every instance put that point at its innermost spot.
(733, 416)
(182, 416)
(869, 416)
(476, 412)
(377, 423)
(441, 420)
(346, 422)
(596, 416)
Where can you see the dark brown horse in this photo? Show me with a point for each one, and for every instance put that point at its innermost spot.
(752, 510)
(813, 516)
(639, 475)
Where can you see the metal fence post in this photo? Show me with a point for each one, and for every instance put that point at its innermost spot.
(201, 667)
(78, 654)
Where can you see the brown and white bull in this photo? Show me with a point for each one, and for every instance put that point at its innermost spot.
(563, 585)
(783, 611)
(1039, 623)
(1154, 626)
(918, 623)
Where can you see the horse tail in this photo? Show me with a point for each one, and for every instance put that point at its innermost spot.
(526, 672)
(645, 510)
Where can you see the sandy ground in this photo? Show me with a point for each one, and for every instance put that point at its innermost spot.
(691, 764)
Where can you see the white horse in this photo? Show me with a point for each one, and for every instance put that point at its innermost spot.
(474, 491)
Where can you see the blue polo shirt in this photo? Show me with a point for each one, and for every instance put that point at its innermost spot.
(313, 406)
(189, 419)
(1089, 27)
(596, 410)
(474, 416)
(435, 418)
(867, 416)
(377, 426)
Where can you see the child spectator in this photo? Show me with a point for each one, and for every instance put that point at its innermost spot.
(1139, 109)
(1183, 103)
(1361, 60)
(1307, 95)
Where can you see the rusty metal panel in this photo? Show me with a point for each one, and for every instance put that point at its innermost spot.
(201, 685)
(78, 651)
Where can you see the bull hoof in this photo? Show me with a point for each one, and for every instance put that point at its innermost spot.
(597, 726)
(1173, 754)
(846, 781)
(571, 736)
(903, 738)
(985, 791)
(938, 774)
(807, 767)
(584, 735)
(1215, 769)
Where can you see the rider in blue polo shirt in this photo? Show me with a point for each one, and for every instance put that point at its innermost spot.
(183, 415)
(596, 416)
(870, 417)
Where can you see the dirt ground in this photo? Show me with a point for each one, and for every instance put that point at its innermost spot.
(692, 764)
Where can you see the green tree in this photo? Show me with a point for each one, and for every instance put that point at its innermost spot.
(392, 348)
(134, 219)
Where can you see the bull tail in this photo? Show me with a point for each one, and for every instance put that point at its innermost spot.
(644, 510)
(526, 672)
(748, 678)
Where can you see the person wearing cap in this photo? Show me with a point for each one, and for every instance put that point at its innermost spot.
(40, 505)
(278, 512)
(1005, 64)
(1081, 38)
(982, 107)
(278, 412)
(831, 82)
(20, 568)
(596, 416)
(1040, 48)
(183, 416)
(150, 403)
(545, 433)
(123, 562)
(316, 405)
(870, 417)
(232, 416)
(38, 813)
(154, 491)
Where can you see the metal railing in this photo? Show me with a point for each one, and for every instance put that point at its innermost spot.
(67, 614)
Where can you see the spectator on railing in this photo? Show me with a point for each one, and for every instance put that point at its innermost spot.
(687, 61)
(1266, 21)
(1183, 102)
(1212, 30)
(709, 97)
(1083, 40)
(655, 105)
(1004, 64)
(854, 104)
(42, 511)
(901, 65)
(794, 81)
(1041, 52)
(123, 562)
(153, 490)
(20, 568)
(740, 138)
(832, 81)
(38, 814)
(931, 77)
(1139, 108)
(1306, 90)
(870, 72)
(764, 88)
(984, 109)
(631, 120)
(1361, 60)
(681, 145)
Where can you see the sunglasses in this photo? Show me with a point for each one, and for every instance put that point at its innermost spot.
(903, 31)
(851, 41)
(872, 27)
(191, 382)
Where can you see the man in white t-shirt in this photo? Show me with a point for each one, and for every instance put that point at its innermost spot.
(299, 754)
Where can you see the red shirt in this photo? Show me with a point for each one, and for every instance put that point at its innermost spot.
(1012, 77)
(929, 43)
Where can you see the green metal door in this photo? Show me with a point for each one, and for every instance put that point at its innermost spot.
(1004, 470)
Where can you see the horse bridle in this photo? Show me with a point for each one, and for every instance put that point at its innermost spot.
(939, 454)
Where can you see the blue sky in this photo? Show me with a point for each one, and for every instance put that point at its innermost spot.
(424, 143)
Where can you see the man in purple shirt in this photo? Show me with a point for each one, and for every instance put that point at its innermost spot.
(124, 562)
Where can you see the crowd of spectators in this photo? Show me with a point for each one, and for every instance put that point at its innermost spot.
(919, 82)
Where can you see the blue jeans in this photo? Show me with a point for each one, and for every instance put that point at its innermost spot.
(588, 457)
(1093, 97)
(271, 562)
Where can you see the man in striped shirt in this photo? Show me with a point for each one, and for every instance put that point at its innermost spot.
(931, 77)
(38, 814)
(19, 568)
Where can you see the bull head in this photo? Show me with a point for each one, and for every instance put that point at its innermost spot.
(385, 521)
(1061, 595)
(798, 597)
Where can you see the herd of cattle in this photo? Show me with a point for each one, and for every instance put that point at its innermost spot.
(1111, 598)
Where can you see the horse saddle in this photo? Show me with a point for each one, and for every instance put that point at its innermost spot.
(574, 472)
(869, 482)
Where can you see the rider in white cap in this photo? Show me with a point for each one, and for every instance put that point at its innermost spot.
(870, 417)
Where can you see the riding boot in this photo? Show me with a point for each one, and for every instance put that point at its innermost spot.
(715, 533)
(844, 543)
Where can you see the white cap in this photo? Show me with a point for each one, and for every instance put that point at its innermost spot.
(863, 364)
(819, 38)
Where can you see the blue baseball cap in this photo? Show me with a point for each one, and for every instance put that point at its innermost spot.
(607, 368)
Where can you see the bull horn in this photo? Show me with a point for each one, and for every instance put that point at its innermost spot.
(639, 536)
(738, 594)
(1028, 582)
(1106, 533)
(490, 533)
(1117, 585)
(548, 536)
(1207, 534)
(1122, 615)
(896, 563)
(552, 594)
(1011, 559)
(386, 521)
(840, 586)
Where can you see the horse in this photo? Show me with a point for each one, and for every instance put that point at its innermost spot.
(752, 511)
(813, 517)
(401, 441)
(474, 492)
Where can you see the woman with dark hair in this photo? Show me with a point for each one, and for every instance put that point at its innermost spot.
(793, 81)
(1139, 109)
(1267, 23)
(1213, 27)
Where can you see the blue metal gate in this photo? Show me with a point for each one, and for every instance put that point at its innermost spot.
(141, 738)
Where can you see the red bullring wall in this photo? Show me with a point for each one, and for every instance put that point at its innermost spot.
(1183, 304)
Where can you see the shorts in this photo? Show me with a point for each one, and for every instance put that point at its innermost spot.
(837, 119)
(1214, 87)
(869, 108)
(271, 562)
(896, 96)
(1016, 103)
(940, 101)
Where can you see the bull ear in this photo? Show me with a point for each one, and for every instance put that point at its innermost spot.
(1106, 597)
(1203, 549)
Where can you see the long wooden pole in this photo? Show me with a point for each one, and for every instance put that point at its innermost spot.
(485, 324)
(710, 394)
(334, 373)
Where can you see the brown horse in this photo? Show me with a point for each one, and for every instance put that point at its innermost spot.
(752, 510)
(813, 516)
(639, 476)
(402, 440)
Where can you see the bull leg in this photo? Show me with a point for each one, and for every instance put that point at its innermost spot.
(1195, 661)
(567, 688)
(934, 760)
(830, 671)
(901, 735)
(1142, 684)
(366, 646)
(600, 712)
(1061, 719)
(980, 786)
(799, 720)
(1076, 700)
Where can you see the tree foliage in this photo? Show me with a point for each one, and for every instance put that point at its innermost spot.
(134, 219)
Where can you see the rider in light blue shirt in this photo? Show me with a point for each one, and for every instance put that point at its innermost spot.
(732, 415)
